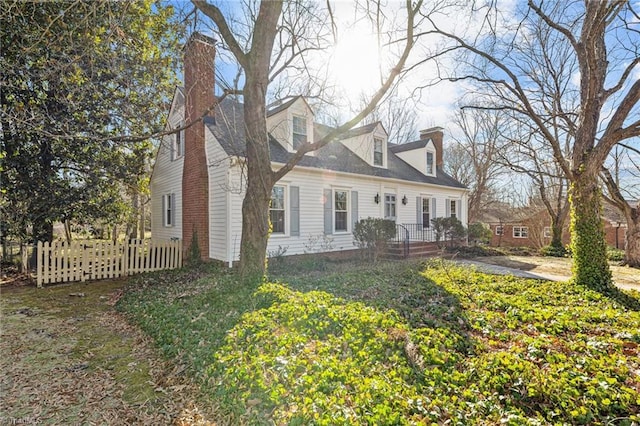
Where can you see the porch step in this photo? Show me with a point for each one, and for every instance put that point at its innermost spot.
(418, 249)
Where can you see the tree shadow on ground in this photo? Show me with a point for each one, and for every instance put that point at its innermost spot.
(393, 285)
(623, 298)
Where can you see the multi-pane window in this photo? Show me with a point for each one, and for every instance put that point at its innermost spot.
(277, 210)
(299, 131)
(453, 209)
(426, 216)
(168, 204)
(547, 232)
(499, 230)
(390, 206)
(430, 166)
(340, 211)
(179, 147)
(378, 158)
(520, 232)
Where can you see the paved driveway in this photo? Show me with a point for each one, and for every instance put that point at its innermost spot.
(552, 269)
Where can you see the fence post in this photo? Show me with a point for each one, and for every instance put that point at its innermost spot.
(25, 257)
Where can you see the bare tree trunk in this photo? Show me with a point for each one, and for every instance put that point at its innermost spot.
(67, 230)
(556, 234)
(590, 266)
(141, 219)
(114, 235)
(632, 245)
(132, 223)
(255, 206)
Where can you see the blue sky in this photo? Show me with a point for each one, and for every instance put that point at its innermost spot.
(434, 105)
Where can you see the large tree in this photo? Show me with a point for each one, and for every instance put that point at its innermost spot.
(514, 61)
(79, 78)
(472, 156)
(526, 154)
(253, 45)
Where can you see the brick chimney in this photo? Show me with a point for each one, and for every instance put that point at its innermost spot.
(435, 134)
(199, 54)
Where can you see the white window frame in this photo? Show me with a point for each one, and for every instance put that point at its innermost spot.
(285, 210)
(377, 140)
(179, 144)
(294, 133)
(177, 136)
(453, 209)
(520, 231)
(499, 230)
(431, 172)
(393, 203)
(335, 210)
(168, 215)
(428, 204)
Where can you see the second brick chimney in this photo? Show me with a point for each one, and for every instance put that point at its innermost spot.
(199, 54)
(435, 134)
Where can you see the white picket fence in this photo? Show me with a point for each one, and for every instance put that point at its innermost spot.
(83, 260)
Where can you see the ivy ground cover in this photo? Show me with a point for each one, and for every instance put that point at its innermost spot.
(397, 344)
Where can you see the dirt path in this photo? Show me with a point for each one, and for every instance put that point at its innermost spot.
(66, 357)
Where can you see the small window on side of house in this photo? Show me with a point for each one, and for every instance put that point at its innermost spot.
(499, 230)
(430, 163)
(547, 232)
(179, 144)
(168, 213)
(378, 155)
(299, 131)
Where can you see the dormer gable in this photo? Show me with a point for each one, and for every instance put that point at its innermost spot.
(368, 142)
(291, 123)
(425, 154)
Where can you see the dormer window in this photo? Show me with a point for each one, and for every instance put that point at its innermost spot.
(378, 158)
(299, 131)
(430, 163)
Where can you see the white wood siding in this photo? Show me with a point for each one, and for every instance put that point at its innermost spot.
(312, 184)
(167, 179)
(219, 189)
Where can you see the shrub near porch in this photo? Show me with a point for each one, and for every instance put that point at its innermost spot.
(400, 345)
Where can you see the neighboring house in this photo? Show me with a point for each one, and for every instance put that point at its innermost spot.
(198, 181)
(530, 227)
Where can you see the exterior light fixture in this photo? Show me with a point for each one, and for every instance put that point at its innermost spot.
(404, 200)
(377, 198)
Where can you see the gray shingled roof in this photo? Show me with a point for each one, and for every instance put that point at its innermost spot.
(282, 106)
(357, 131)
(228, 128)
(409, 146)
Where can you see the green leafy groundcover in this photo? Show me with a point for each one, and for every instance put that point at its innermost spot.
(479, 349)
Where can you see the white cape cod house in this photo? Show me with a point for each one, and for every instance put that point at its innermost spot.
(197, 184)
